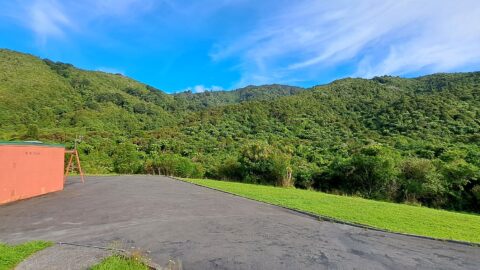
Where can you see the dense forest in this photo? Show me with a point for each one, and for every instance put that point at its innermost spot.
(388, 138)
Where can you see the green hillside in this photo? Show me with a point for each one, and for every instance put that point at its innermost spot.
(198, 101)
(55, 95)
(388, 138)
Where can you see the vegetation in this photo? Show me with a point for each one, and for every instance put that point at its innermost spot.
(384, 215)
(389, 138)
(198, 101)
(10, 255)
(117, 262)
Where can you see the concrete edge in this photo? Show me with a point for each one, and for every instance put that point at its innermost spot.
(334, 220)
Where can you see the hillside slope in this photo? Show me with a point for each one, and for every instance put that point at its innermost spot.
(388, 138)
(354, 111)
(198, 101)
(56, 95)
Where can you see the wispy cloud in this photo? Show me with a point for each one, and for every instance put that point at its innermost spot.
(256, 42)
(369, 37)
(44, 18)
(111, 70)
(201, 88)
(56, 19)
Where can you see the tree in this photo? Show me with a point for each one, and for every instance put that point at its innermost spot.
(304, 173)
(261, 163)
(460, 176)
(126, 158)
(32, 132)
(420, 180)
(174, 165)
(370, 172)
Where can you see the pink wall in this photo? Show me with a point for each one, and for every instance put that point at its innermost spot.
(30, 170)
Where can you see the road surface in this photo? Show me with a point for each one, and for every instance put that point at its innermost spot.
(207, 229)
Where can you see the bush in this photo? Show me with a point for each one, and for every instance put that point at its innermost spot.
(174, 165)
(460, 176)
(459, 173)
(229, 169)
(303, 174)
(420, 180)
(476, 193)
(126, 158)
(32, 132)
(371, 173)
(260, 163)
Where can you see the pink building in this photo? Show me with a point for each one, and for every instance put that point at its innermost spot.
(29, 169)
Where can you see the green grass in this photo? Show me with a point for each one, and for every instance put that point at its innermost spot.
(117, 262)
(389, 216)
(10, 255)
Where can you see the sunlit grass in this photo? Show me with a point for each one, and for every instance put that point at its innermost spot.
(11, 255)
(383, 215)
(117, 262)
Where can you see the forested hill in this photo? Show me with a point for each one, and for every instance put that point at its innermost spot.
(54, 96)
(197, 101)
(389, 138)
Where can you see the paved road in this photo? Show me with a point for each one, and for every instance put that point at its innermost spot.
(206, 229)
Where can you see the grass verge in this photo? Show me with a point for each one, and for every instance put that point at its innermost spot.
(118, 262)
(11, 255)
(383, 215)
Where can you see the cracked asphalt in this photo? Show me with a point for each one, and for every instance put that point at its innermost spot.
(207, 229)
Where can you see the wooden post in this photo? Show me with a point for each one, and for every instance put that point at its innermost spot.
(68, 166)
(79, 166)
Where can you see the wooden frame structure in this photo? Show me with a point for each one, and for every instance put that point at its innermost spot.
(73, 153)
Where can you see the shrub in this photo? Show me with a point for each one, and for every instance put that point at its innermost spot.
(459, 173)
(174, 165)
(260, 163)
(371, 173)
(303, 174)
(460, 176)
(476, 193)
(126, 158)
(420, 180)
(229, 169)
(32, 132)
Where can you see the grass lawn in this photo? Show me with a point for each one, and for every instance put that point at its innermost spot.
(117, 262)
(389, 216)
(10, 256)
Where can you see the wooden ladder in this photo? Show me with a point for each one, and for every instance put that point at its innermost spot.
(73, 153)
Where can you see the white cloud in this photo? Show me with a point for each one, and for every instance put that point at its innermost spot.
(111, 70)
(371, 37)
(55, 19)
(201, 88)
(47, 18)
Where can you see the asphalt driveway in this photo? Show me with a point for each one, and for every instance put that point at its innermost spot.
(206, 229)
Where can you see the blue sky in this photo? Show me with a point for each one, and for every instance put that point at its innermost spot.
(176, 45)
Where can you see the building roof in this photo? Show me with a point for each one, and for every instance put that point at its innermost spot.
(31, 143)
